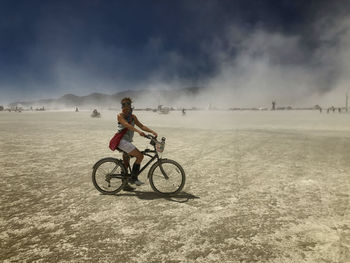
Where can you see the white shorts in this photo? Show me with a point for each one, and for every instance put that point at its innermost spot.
(126, 146)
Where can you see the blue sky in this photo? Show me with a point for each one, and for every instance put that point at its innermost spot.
(50, 48)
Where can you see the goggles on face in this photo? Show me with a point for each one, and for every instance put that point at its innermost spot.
(125, 104)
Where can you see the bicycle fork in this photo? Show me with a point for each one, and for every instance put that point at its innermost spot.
(162, 170)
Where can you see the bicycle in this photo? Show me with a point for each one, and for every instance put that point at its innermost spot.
(166, 176)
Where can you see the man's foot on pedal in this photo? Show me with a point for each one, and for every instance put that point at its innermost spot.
(131, 180)
(128, 188)
(138, 182)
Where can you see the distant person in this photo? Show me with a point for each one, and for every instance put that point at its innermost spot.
(128, 120)
(273, 105)
(183, 111)
(95, 114)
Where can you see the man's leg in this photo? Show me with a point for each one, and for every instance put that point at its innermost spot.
(126, 162)
(136, 167)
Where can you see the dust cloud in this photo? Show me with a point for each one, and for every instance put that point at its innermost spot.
(272, 66)
(249, 68)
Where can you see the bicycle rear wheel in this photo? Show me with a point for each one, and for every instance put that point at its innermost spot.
(108, 176)
(172, 182)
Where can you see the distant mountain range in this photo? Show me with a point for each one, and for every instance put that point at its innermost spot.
(101, 100)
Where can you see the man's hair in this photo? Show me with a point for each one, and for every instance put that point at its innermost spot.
(126, 98)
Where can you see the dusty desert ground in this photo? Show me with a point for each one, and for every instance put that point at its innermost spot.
(261, 187)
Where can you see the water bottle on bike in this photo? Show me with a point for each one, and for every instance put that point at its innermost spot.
(160, 145)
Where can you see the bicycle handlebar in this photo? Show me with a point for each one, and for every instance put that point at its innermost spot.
(150, 137)
(153, 138)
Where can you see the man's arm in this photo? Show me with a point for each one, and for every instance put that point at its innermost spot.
(143, 127)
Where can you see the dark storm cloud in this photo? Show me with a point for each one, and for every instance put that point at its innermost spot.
(56, 47)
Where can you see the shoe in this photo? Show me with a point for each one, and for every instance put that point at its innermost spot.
(138, 182)
(128, 188)
(132, 180)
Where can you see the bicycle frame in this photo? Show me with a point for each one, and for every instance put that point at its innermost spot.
(121, 171)
(145, 152)
(153, 157)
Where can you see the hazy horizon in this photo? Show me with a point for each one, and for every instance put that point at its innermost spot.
(205, 99)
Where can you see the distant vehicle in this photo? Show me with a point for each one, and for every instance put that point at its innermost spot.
(163, 110)
(95, 114)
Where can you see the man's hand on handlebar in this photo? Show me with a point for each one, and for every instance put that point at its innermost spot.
(149, 136)
(142, 134)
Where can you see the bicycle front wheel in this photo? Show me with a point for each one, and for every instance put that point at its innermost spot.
(108, 176)
(167, 177)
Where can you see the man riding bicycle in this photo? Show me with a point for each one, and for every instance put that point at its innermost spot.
(128, 120)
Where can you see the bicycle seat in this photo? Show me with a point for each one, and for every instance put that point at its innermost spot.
(119, 150)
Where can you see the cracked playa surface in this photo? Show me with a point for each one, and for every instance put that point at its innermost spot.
(261, 187)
